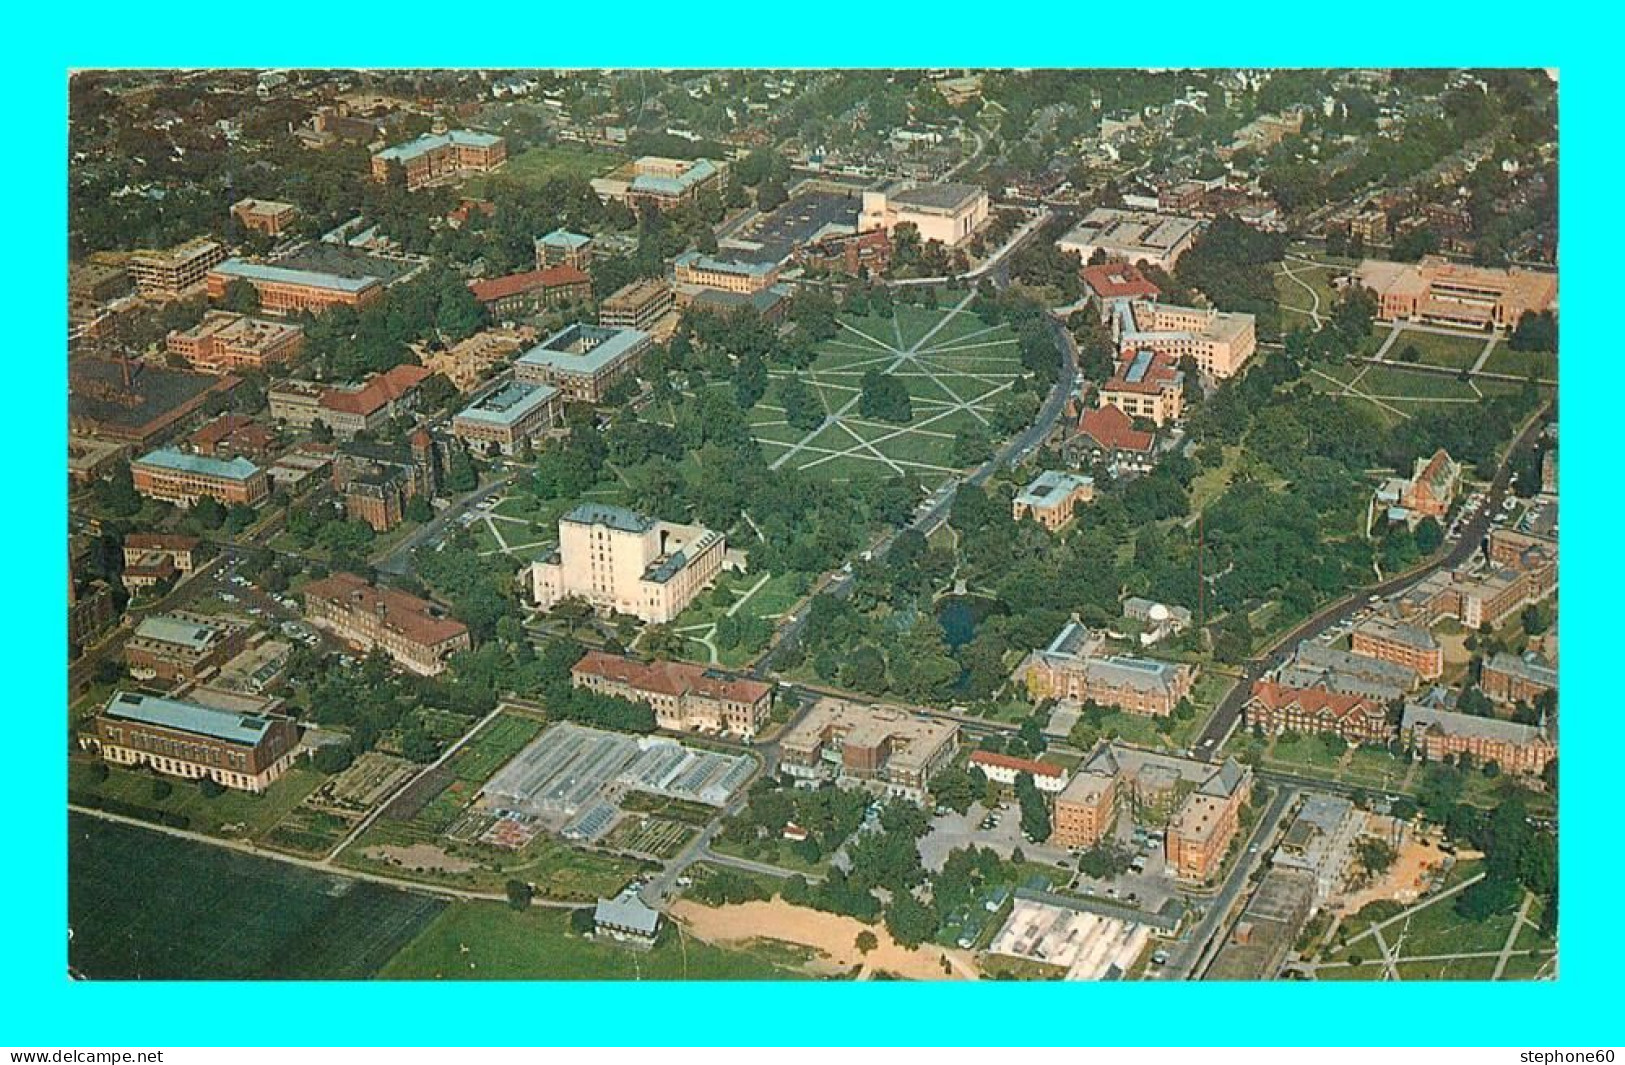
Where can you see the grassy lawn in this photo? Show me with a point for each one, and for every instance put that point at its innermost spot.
(148, 906)
(1438, 349)
(1292, 297)
(234, 814)
(1211, 483)
(536, 166)
(489, 941)
(1304, 751)
(779, 852)
(1521, 363)
(1004, 967)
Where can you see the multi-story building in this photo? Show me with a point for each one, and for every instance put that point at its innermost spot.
(684, 697)
(1428, 492)
(1268, 928)
(138, 403)
(948, 214)
(224, 341)
(177, 477)
(637, 305)
(1515, 748)
(350, 411)
(893, 751)
(294, 402)
(442, 155)
(583, 361)
(1219, 342)
(1072, 668)
(655, 181)
(180, 646)
(265, 216)
(1320, 841)
(1051, 497)
(376, 481)
(1511, 678)
(1314, 665)
(467, 362)
(1003, 769)
(1107, 435)
(230, 436)
(184, 552)
(414, 632)
(510, 416)
(532, 292)
(184, 739)
(168, 274)
(91, 609)
(1201, 832)
(1439, 292)
(855, 254)
(1086, 808)
(290, 290)
(1399, 642)
(1147, 385)
(1132, 237)
(1369, 227)
(725, 275)
(621, 561)
(563, 248)
(1356, 718)
(1105, 284)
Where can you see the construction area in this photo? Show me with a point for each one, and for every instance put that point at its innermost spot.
(570, 779)
(1089, 946)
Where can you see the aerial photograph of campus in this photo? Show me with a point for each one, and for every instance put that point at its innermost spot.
(929, 524)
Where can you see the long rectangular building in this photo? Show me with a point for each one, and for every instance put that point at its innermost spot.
(168, 274)
(180, 646)
(412, 631)
(1439, 292)
(184, 739)
(177, 477)
(582, 360)
(225, 341)
(1515, 748)
(895, 750)
(436, 157)
(509, 417)
(1132, 237)
(1071, 669)
(684, 697)
(290, 290)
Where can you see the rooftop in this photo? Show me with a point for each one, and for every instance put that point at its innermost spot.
(584, 348)
(186, 717)
(946, 197)
(418, 619)
(497, 288)
(1053, 487)
(238, 469)
(283, 275)
(616, 517)
(196, 634)
(672, 678)
(509, 404)
(1452, 723)
(431, 141)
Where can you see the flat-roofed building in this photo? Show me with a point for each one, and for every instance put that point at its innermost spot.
(1439, 292)
(563, 248)
(1072, 669)
(295, 402)
(265, 216)
(1201, 832)
(618, 560)
(507, 418)
(1320, 841)
(1051, 498)
(168, 274)
(533, 291)
(895, 751)
(684, 697)
(660, 182)
(949, 214)
(138, 403)
(1269, 926)
(637, 305)
(1132, 237)
(1511, 678)
(185, 739)
(184, 552)
(1147, 384)
(1400, 642)
(1356, 718)
(177, 477)
(466, 363)
(180, 646)
(97, 282)
(1003, 769)
(1086, 808)
(414, 632)
(290, 290)
(583, 361)
(1219, 342)
(727, 275)
(1440, 733)
(441, 156)
(225, 341)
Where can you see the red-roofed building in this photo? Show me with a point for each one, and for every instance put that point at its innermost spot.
(1004, 768)
(414, 632)
(533, 291)
(1147, 384)
(1355, 718)
(1105, 282)
(684, 697)
(461, 213)
(230, 436)
(1106, 434)
(348, 411)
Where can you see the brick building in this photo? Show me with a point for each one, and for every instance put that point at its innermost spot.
(582, 360)
(169, 274)
(265, 216)
(180, 646)
(519, 295)
(1399, 642)
(1073, 669)
(684, 697)
(414, 632)
(443, 155)
(509, 417)
(637, 305)
(894, 751)
(1511, 678)
(1516, 748)
(1203, 829)
(290, 290)
(177, 477)
(247, 752)
(226, 341)
(1355, 718)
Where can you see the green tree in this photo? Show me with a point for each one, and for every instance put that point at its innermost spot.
(1035, 819)
(519, 894)
(909, 920)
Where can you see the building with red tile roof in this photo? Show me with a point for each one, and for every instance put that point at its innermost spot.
(1358, 719)
(684, 697)
(533, 290)
(1109, 431)
(1004, 768)
(1117, 281)
(414, 632)
(348, 411)
(1148, 384)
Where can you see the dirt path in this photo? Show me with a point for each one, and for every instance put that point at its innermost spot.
(833, 935)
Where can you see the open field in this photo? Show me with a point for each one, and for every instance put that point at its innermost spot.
(534, 167)
(489, 941)
(954, 365)
(1457, 352)
(239, 917)
(234, 814)
(1543, 364)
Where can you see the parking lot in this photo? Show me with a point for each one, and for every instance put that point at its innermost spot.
(951, 831)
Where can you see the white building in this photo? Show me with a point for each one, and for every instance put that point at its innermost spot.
(619, 560)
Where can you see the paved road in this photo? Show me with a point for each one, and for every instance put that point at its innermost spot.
(1471, 538)
(1191, 956)
(396, 561)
